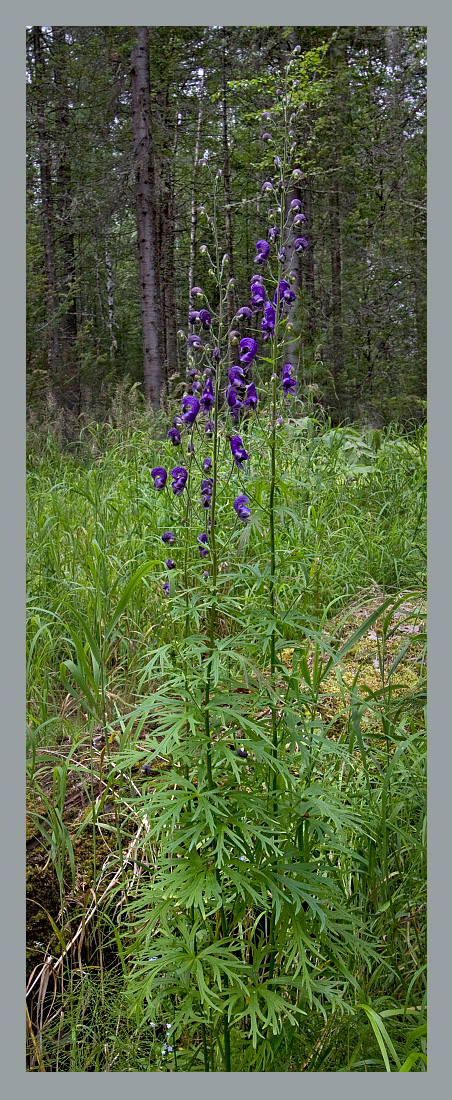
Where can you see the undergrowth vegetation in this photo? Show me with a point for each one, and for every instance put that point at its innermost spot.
(276, 919)
(226, 745)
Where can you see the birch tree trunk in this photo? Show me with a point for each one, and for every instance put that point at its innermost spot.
(143, 155)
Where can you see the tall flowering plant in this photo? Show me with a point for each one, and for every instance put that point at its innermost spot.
(224, 935)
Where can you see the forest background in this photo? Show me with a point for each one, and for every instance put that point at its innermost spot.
(359, 125)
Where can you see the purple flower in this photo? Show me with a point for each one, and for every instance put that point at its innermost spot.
(268, 320)
(170, 564)
(285, 292)
(273, 233)
(192, 407)
(267, 186)
(168, 537)
(210, 427)
(160, 475)
(206, 491)
(300, 244)
(215, 355)
(244, 312)
(288, 383)
(195, 291)
(208, 397)
(236, 374)
(202, 540)
(294, 206)
(196, 386)
(263, 251)
(194, 341)
(190, 448)
(257, 295)
(266, 137)
(205, 318)
(239, 453)
(251, 396)
(282, 254)
(193, 316)
(179, 476)
(207, 464)
(299, 219)
(257, 279)
(248, 348)
(177, 422)
(232, 397)
(165, 587)
(174, 436)
(240, 505)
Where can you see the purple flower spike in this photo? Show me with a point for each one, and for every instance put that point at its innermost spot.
(263, 252)
(239, 453)
(194, 341)
(294, 206)
(207, 464)
(160, 475)
(300, 244)
(248, 349)
(168, 537)
(195, 291)
(251, 396)
(190, 409)
(244, 312)
(174, 436)
(205, 318)
(240, 505)
(170, 564)
(208, 398)
(179, 475)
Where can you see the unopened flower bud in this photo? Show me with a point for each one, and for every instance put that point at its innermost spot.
(205, 575)
(219, 174)
(203, 249)
(231, 284)
(296, 49)
(297, 174)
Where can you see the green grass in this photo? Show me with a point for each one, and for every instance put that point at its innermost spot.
(105, 648)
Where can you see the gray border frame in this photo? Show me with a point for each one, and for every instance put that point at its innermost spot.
(254, 12)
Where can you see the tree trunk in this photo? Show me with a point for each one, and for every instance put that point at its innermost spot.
(47, 214)
(227, 201)
(193, 219)
(337, 348)
(146, 218)
(111, 303)
(70, 385)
